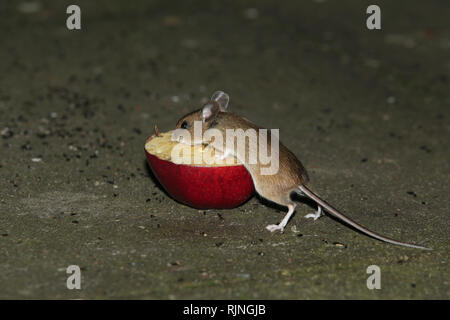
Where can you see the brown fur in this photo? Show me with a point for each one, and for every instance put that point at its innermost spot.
(277, 187)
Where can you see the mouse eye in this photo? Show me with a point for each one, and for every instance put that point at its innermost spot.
(184, 125)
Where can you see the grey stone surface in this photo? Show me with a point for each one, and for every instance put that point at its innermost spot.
(365, 111)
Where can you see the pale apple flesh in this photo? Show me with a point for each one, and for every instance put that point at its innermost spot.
(162, 146)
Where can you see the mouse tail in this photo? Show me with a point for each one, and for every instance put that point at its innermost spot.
(310, 194)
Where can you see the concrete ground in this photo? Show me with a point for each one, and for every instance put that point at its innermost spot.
(367, 112)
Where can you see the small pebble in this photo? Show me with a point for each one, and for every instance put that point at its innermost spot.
(251, 13)
(391, 100)
(243, 275)
(339, 245)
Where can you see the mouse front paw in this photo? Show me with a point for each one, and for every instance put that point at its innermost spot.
(275, 227)
(221, 156)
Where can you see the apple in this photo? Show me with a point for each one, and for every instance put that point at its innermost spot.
(202, 185)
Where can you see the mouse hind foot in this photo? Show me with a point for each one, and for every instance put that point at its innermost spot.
(316, 215)
(283, 223)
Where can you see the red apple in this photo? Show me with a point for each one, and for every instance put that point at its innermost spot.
(200, 186)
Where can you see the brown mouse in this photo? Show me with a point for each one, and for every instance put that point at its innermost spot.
(290, 175)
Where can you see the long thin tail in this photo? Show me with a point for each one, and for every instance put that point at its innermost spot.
(352, 223)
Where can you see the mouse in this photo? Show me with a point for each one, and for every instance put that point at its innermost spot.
(290, 177)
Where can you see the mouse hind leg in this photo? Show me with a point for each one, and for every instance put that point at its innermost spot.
(291, 206)
(283, 223)
(319, 211)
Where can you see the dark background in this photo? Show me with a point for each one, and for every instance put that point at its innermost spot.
(365, 111)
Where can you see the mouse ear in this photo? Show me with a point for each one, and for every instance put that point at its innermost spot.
(222, 98)
(210, 111)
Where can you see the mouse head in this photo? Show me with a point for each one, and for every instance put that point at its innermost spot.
(205, 116)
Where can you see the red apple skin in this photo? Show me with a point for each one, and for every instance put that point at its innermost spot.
(203, 187)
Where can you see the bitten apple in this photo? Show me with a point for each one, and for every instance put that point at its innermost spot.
(203, 185)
